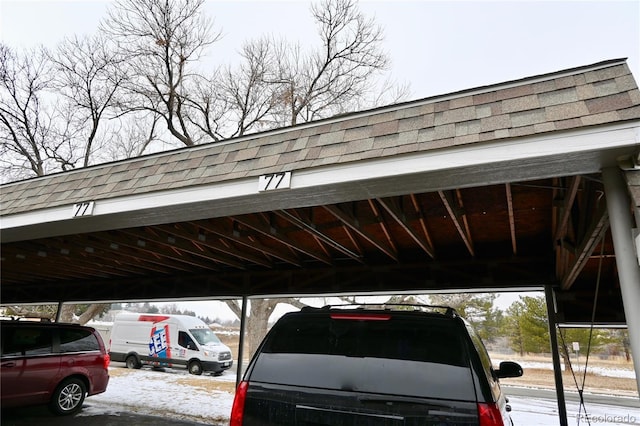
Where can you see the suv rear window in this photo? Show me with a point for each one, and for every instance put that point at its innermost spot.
(382, 353)
(72, 340)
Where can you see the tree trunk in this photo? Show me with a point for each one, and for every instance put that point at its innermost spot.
(258, 318)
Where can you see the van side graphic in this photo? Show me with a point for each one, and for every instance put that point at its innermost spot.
(160, 345)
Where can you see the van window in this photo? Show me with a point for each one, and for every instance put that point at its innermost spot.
(185, 341)
(78, 341)
(204, 336)
(27, 340)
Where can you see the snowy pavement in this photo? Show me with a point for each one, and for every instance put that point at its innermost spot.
(544, 412)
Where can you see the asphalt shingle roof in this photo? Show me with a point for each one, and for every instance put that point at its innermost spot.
(597, 94)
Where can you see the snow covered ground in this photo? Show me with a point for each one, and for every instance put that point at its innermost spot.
(171, 393)
(208, 399)
(544, 412)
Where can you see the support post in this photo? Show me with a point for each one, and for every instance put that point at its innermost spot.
(59, 311)
(243, 321)
(619, 208)
(555, 355)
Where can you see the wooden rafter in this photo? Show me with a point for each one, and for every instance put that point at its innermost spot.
(264, 229)
(423, 221)
(383, 225)
(195, 247)
(353, 224)
(36, 266)
(246, 241)
(453, 203)
(593, 236)
(125, 255)
(565, 209)
(512, 220)
(309, 227)
(163, 250)
(391, 206)
(201, 239)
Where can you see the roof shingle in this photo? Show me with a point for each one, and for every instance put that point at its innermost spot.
(591, 95)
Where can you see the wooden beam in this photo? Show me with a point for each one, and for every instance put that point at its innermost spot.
(512, 220)
(596, 231)
(565, 209)
(453, 203)
(382, 223)
(423, 221)
(353, 224)
(201, 239)
(391, 206)
(271, 232)
(251, 243)
(310, 227)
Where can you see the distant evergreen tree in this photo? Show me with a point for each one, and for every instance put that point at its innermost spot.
(527, 326)
(477, 308)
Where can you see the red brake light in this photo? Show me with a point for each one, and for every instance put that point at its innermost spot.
(106, 361)
(361, 317)
(489, 415)
(237, 410)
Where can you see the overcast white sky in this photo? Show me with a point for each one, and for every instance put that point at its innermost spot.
(437, 46)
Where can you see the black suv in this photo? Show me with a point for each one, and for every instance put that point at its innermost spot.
(405, 365)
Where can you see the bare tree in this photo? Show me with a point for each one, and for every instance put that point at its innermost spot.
(329, 79)
(89, 75)
(26, 128)
(161, 40)
(133, 136)
(70, 313)
(53, 105)
(245, 97)
(258, 317)
(279, 84)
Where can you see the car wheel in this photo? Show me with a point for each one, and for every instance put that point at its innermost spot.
(133, 362)
(68, 397)
(195, 368)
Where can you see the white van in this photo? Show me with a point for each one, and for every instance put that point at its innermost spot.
(167, 340)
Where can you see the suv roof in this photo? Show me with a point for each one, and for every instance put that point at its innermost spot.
(390, 307)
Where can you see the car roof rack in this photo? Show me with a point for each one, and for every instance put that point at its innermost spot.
(396, 307)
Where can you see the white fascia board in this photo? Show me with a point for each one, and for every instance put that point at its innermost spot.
(468, 156)
(133, 203)
(480, 154)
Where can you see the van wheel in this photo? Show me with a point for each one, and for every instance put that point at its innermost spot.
(68, 397)
(133, 362)
(195, 368)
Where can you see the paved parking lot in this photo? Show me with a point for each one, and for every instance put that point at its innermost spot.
(31, 416)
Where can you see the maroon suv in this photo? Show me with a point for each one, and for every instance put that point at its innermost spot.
(51, 363)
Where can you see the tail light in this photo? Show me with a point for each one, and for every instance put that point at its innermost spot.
(361, 317)
(489, 415)
(106, 361)
(237, 410)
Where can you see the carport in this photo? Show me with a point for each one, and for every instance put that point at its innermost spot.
(533, 183)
